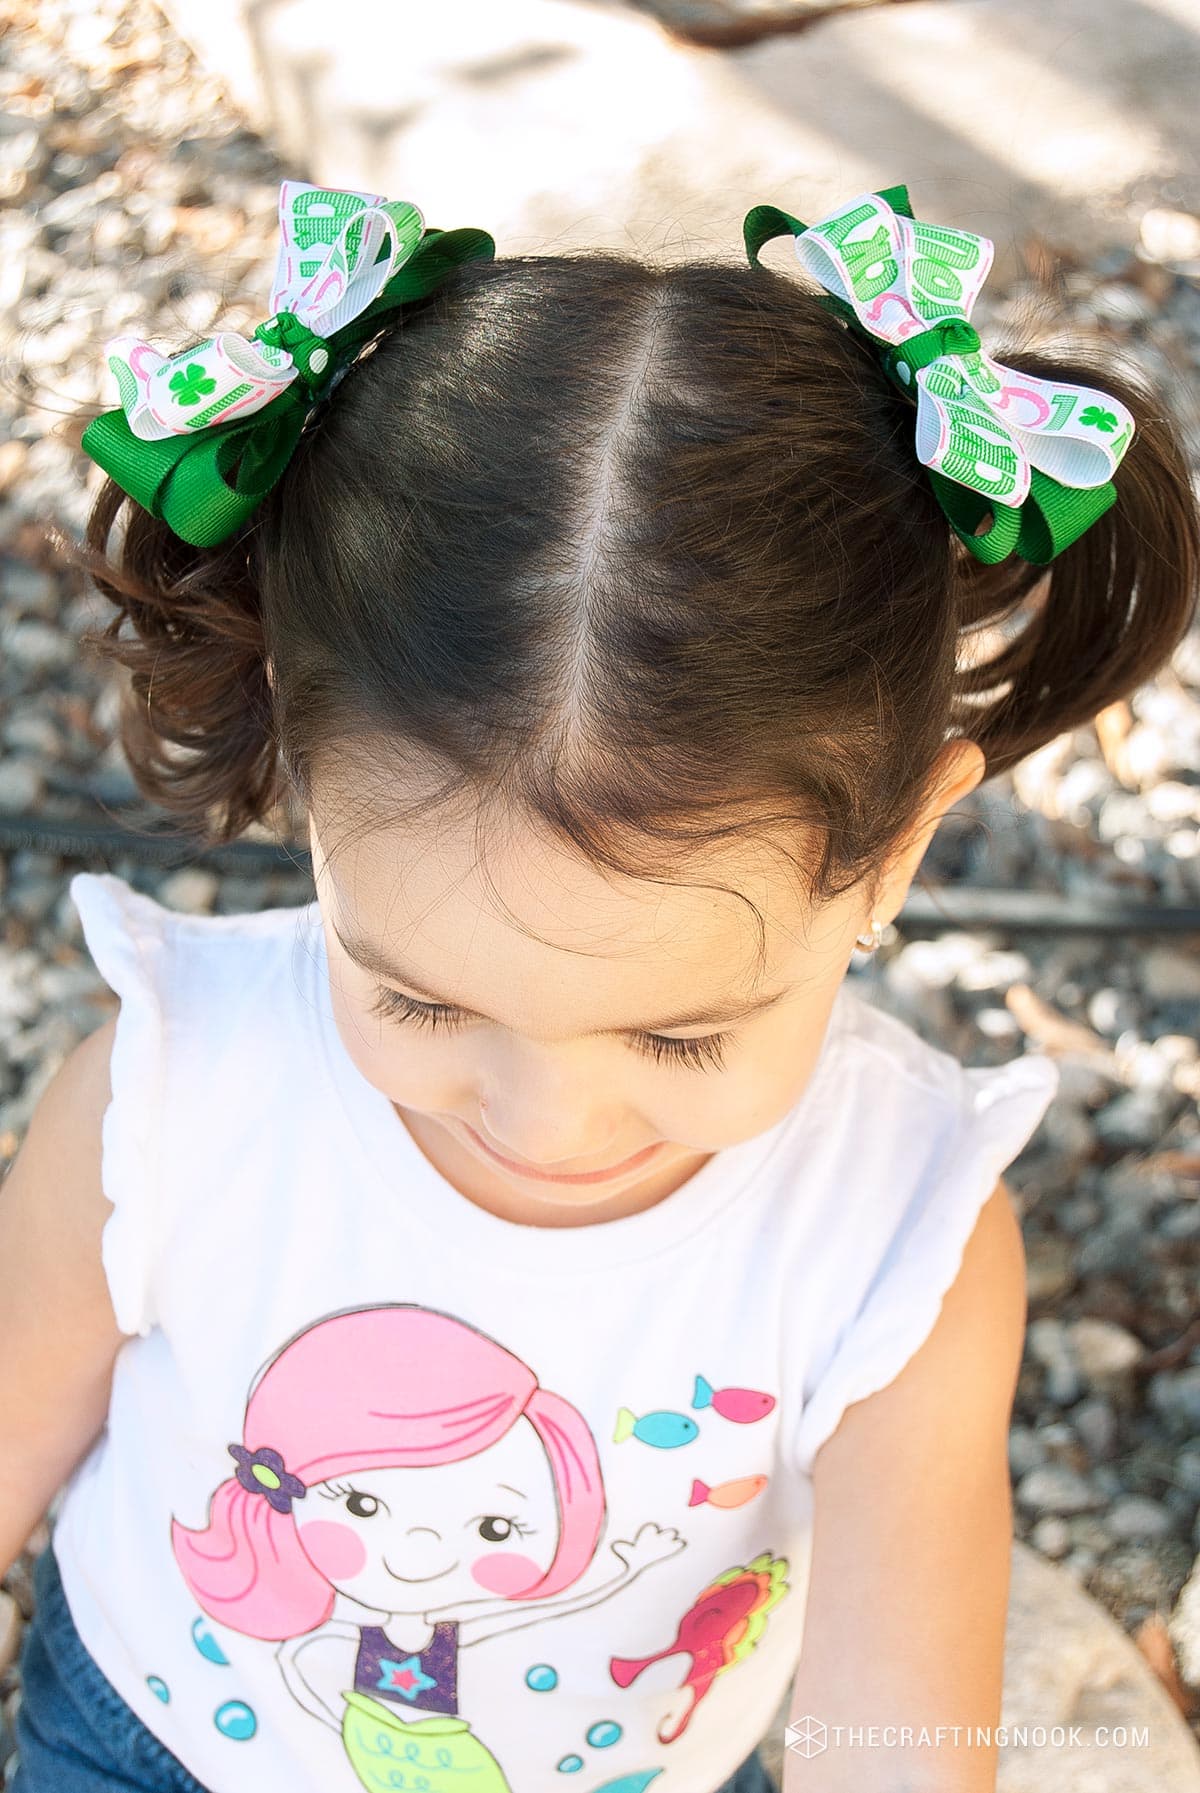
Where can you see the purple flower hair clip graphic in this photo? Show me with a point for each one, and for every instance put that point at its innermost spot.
(262, 1472)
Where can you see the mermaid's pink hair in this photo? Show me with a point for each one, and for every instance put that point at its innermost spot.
(380, 1387)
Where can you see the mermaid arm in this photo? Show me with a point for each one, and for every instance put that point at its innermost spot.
(652, 1544)
(297, 1682)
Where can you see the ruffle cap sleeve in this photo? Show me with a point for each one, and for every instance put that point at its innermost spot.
(1000, 1109)
(124, 934)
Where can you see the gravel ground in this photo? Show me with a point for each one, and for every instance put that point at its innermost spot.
(132, 196)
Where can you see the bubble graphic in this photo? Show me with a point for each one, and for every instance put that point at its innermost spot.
(570, 1764)
(604, 1733)
(158, 1688)
(235, 1719)
(541, 1677)
(207, 1644)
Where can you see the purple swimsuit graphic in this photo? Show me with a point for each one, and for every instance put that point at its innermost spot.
(446, 1498)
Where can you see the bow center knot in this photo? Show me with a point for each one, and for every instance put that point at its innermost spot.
(952, 336)
(309, 352)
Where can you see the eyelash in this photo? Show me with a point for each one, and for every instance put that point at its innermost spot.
(703, 1054)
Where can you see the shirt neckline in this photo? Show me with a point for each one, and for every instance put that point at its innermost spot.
(400, 1170)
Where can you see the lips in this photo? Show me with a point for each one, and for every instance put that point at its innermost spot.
(542, 1176)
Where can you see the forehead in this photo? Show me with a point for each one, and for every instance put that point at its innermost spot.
(456, 887)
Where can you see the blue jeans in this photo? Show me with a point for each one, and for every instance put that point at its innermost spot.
(75, 1734)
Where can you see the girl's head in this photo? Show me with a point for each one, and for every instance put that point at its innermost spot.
(436, 1473)
(610, 633)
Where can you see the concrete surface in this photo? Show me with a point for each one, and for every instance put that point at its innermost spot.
(568, 122)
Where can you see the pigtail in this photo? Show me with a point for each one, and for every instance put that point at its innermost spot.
(196, 655)
(1106, 613)
(248, 1569)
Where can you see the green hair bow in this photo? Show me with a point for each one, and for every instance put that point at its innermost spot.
(202, 436)
(1036, 456)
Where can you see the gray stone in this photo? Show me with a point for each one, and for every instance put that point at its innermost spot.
(1136, 1516)
(1089, 1532)
(1112, 1011)
(1048, 1343)
(1025, 1450)
(1079, 1563)
(32, 731)
(1180, 1223)
(1055, 1488)
(1170, 975)
(1096, 1424)
(1051, 1536)
(1176, 1395)
(191, 891)
(1069, 1132)
(10, 1631)
(1104, 1352)
(21, 785)
(1135, 1120)
(38, 646)
(26, 588)
(1187, 1469)
(1079, 1214)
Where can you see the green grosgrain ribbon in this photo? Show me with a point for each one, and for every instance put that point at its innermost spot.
(202, 436)
(1035, 456)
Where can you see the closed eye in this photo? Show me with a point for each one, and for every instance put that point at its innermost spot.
(703, 1054)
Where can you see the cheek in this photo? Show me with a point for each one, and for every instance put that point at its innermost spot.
(337, 1551)
(505, 1572)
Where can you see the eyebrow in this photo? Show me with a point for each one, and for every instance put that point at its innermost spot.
(369, 957)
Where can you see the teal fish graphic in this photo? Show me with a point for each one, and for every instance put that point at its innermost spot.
(664, 1430)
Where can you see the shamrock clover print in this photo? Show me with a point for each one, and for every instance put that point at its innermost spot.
(1099, 420)
(191, 383)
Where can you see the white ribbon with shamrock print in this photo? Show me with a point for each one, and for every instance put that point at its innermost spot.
(326, 273)
(979, 423)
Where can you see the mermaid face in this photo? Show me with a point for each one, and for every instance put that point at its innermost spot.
(413, 1540)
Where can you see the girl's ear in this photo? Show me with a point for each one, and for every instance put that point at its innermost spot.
(270, 673)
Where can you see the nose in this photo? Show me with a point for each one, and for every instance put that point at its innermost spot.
(545, 1117)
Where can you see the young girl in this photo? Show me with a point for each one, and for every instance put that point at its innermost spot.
(495, 1321)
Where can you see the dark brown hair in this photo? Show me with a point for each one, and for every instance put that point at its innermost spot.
(645, 551)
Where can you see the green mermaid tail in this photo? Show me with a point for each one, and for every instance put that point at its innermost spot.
(390, 1752)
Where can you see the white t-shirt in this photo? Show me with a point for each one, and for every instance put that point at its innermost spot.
(504, 1504)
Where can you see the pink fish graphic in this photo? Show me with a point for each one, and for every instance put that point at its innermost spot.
(742, 1405)
(727, 1494)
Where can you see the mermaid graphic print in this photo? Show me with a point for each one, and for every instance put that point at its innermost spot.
(400, 1459)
